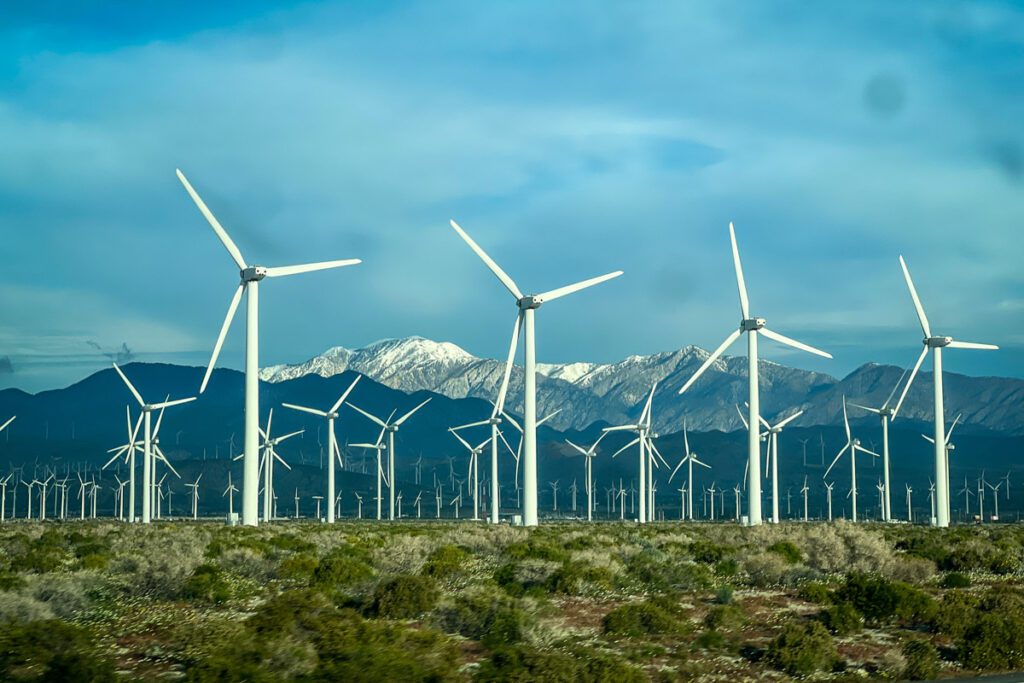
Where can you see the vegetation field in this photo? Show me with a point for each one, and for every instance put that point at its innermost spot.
(463, 602)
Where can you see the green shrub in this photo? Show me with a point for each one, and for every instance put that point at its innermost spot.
(842, 619)
(816, 592)
(206, 584)
(955, 613)
(405, 597)
(880, 600)
(956, 580)
(642, 618)
(578, 578)
(802, 649)
(536, 549)
(707, 552)
(727, 567)
(491, 617)
(787, 551)
(994, 638)
(95, 562)
(922, 660)
(51, 650)
(446, 561)
(657, 571)
(710, 640)
(724, 616)
(298, 567)
(723, 596)
(343, 567)
(583, 665)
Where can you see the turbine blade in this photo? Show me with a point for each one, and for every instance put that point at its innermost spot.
(337, 404)
(789, 419)
(471, 424)
(868, 451)
(398, 423)
(9, 421)
(222, 234)
(548, 417)
(894, 388)
(628, 445)
(876, 411)
(645, 415)
(461, 440)
(311, 411)
(131, 387)
(176, 402)
(509, 283)
(972, 345)
(499, 405)
(783, 339)
(740, 283)
(367, 415)
(917, 301)
(949, 434)
(281, 271)
(570, 289)
(582, 450)
(927, 438)
(835, 460)
(733, 336)
(232, 307)
(512, 421)
(681, 461)
(288, 436)
(846, 421)
(910, 380)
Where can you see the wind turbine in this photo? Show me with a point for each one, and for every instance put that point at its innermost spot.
(359, 503)
(886, 415)
(828, 494)
(554, 495)
(378, 446)
(910, 509)
(690, 458)
(642, 427)
(474, 466)
(527, 305)
(195, 496)
(390, 428)
(148, 475)
(995, 498)
(332, 441)
(852, 445)
(935, 344)
(230, 492)
(966, 490)
(948, 444)
(250, 279)
(588, 455)
(419, 498)
(752, 327)
(517, 454)
(773, 451)
(804, 490)
(3, 496)
(270, 454)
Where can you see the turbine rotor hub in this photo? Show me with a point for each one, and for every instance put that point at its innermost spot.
(937, 342)
(752, 324)
(530, 302)
(253, 273)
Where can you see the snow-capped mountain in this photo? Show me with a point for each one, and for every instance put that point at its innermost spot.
(614, 392)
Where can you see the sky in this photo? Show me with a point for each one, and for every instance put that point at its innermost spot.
(570, 139)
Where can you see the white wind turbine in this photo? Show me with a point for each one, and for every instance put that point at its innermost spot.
(853, 446)
(910, 509)
(474, 466)
(804, 490)
(588, 465)
(642, 427)
(752, 327)
(828, 495)
(230, 492)
(517, 454)
(148, 478)
(886, 415)
(270, 454)
(528, 304)
(250, 279)
(3, 496)
(773, 455)
(359, 503)
(949, 445)
(195, 496)
(390, 428)
(690, 459)
(935, 344)
(377, 446)
(332, 441)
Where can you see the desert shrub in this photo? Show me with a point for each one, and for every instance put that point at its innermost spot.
(659, 572)
(710, 640)
(291, 542)
(787, 551)
(651, 617)
(491, 617)
(10, 581)
(527, 577)
(247, 563)
(802, 649)
(446, 561)
(727, 567)
(22, 608)
(68, 595)
(771, 569)
(880, 600)
(525, 663)
(706, 552)
(816, 592)
(994, 637)
(302, 634)
(724, 616)
(845, 547)
(206, 584)
(956, 580)
(95, 562)
(842, 619)
(343, 567)
(954, 613)
(577, 578)
(537, 549)
(156, 562)
(47, 553)
(723, 596)
(51, 650)
(922, 660)
(405, 597)
(298, 567)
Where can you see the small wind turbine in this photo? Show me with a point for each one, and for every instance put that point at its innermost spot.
(473, 472)
(690, 458)
(995, 499)
(935, 344)
(773, 452)
(378, 446)
(195, 496)
(359, 503)
(642, 427)
(318, 499)
(828, 495)
(230, 492)
(588, 456)
(966, 490)
(804, 490)
(332, 441)
(853, 446)
(419, 498)
(527, 305)
(250, 276)
(554, 495)
(886, 415)
(389, 427)
(752, 327)
(910, 508)
(148, 475)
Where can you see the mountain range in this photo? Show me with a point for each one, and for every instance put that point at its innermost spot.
(613, 392)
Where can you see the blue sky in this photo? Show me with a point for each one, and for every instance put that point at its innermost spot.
(569, 138)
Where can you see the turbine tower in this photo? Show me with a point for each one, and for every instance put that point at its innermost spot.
(528, 304)
(935, 344)
(250, 280)
(752, 327)
(332, 441)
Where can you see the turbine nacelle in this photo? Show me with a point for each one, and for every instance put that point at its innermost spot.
(253, 273)
(937, 342)
(530, 302)
(752, 324)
